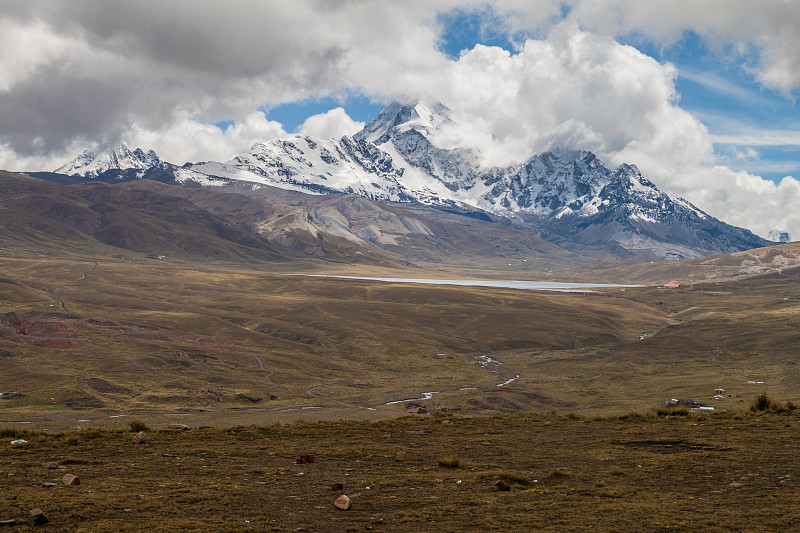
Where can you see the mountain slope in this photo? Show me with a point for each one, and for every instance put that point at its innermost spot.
(353, 228)
(97, 218)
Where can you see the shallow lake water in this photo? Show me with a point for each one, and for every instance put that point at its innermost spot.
(502, 284)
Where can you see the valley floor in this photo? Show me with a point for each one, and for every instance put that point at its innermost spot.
(564, 473)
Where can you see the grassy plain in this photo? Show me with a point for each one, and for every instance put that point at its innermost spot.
(224, 346)
(565, 473)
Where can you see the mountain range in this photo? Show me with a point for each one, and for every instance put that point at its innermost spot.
(569, 198)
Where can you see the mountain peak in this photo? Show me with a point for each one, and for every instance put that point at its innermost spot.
(423, 116)
(91, 164)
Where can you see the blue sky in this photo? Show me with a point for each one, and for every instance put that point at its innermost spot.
(715, 86)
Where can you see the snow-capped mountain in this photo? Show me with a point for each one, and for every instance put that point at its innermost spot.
(569, 197)
(316, 166)
(122, 164)
(90, 164)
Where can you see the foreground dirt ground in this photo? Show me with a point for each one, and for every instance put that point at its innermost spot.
(564, 473)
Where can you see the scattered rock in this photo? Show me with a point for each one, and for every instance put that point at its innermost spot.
(49, 484)
(342, 502)
(180, 427)
(307, 458)
(401, 456)
(36, 517)
(736, 484)
(11, 522)
(141, 438)
(502, 485)
(71, 479)
(50, 465)
(336, 487)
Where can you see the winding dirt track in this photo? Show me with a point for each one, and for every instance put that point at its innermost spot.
(83, 274)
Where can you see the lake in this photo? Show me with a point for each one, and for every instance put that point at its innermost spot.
(499, 284)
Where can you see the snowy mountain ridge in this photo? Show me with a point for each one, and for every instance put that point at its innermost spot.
(90, 164)
(565, 195)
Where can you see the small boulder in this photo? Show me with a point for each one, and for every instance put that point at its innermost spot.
(36, 517)
(502, 485)
(50, 465)
(11, 522)
(342, 502)
(49, 484)
(179, 427)
(71, 479)
(141, 438)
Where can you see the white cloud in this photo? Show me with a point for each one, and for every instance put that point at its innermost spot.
(748, 153)
(573, 89)
(731, 27)
(770, 28)
(330, 125)
(23, 48)
(759, 137)
(190, 140)
(745, 200)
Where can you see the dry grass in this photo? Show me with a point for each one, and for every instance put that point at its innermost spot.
(678, 474)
